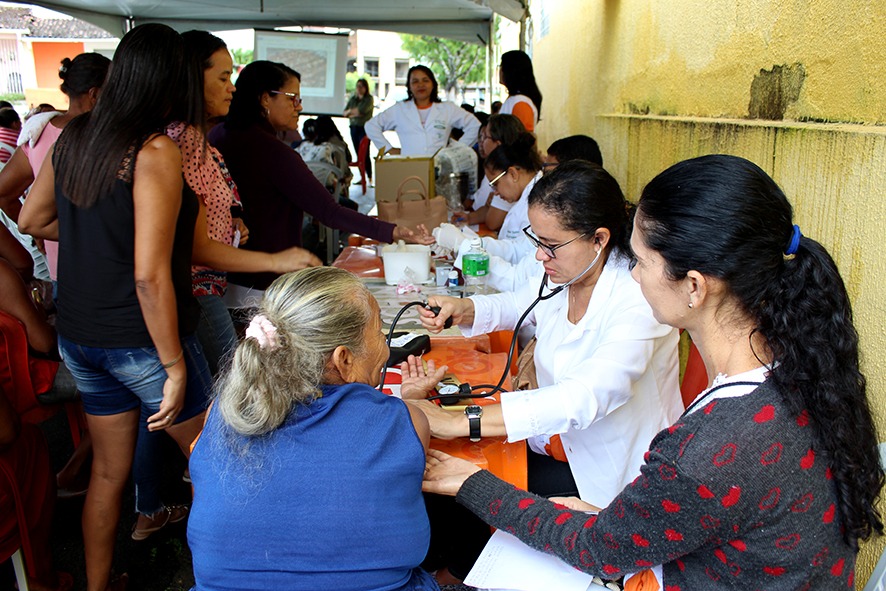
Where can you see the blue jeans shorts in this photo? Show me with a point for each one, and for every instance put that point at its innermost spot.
(117, 380)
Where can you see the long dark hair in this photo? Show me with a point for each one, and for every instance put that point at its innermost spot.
(85, 71)
(435, 97)
(200, 46)
(146, 83)
(724, 217)
(584, 197)
(255, 80)
(520, 153)
(518, 77)
(325, 129)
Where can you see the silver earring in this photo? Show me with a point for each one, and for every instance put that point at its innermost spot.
(690, 304)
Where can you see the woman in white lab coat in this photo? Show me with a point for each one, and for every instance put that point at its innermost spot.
(607, 369)
(423, 122)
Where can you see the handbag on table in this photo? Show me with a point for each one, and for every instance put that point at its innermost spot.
(410, 212)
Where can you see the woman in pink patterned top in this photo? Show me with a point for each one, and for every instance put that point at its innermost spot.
(218, 232)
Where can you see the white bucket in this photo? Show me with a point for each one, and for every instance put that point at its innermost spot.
(397, 257)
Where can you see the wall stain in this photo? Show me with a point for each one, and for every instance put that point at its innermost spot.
(773, 90)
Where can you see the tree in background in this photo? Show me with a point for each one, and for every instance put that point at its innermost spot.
(455, 63)
(242, 57)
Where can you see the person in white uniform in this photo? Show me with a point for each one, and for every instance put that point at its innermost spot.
(423, 122)
(607, 369)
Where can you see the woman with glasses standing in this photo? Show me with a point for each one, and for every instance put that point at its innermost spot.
(607, 370)
(276, 186)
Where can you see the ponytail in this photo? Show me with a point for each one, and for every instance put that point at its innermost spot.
(724, 217)
(806, 318)
(309, 313)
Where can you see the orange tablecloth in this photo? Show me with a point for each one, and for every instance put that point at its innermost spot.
(472, 360)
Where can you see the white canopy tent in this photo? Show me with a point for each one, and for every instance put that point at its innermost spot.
(466, 20)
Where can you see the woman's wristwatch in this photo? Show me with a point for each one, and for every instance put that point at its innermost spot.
(474, 412)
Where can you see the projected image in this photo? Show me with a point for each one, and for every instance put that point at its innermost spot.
(321, 59)
(313, 65)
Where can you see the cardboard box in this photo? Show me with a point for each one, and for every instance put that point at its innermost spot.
(391, 170)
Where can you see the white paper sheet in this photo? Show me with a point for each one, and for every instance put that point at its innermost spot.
(508, 563)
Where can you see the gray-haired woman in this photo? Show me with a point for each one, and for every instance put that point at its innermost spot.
(315, 472)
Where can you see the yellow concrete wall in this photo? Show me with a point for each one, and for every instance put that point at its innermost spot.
(658, 82)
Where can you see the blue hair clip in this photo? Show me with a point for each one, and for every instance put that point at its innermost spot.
(795, 241)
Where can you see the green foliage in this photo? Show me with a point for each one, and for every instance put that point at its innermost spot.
(351, 82)
(454, 63)
(242, 57)
(12, 97)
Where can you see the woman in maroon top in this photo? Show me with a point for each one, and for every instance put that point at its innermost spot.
(276, 186)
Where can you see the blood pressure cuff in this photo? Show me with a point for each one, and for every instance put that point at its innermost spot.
(404, 344)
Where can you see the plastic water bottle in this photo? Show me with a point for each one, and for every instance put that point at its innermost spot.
(475, 268)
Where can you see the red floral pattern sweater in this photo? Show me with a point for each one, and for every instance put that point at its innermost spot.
(731, 496)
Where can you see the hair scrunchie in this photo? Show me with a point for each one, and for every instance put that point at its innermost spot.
(795, 241)
(262, 330)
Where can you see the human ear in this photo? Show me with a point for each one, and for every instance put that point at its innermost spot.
(601, 237)
(342, 361)
(698, 288)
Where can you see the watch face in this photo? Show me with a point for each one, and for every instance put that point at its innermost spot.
(447, 389)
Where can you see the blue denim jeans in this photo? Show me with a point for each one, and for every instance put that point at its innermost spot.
(215, 331)
(117, 380)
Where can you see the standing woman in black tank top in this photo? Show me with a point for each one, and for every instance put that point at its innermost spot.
(112, 194)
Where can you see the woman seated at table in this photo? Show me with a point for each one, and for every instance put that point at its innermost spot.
(423, 122)
(512, 171)
(771, 477)
(490, 208)
(607, 369)
(276, 186)
(314, 472)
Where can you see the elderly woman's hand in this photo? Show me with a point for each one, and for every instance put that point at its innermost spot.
(444, 474)
(418, 382)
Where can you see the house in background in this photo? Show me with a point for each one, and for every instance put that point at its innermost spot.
(33, 43)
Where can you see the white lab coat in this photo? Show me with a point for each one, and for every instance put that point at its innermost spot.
(607, 384)
(417, 139)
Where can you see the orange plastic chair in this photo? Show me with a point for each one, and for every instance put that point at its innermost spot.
(19, 546)
(24, 378)
(695, 377)
(362, 152)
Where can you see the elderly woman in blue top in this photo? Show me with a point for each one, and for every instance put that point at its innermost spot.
(314, 472)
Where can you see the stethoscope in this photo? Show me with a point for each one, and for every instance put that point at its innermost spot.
(468, 391)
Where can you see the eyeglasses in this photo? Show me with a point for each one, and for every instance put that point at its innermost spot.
(498, 178)
(547, 248)
(296, 100)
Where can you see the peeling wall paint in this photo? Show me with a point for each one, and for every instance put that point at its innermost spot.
(796, 86)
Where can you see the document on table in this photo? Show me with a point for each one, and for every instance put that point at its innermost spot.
(508, 563)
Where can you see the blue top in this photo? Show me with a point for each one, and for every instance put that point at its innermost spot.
(329, 500)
